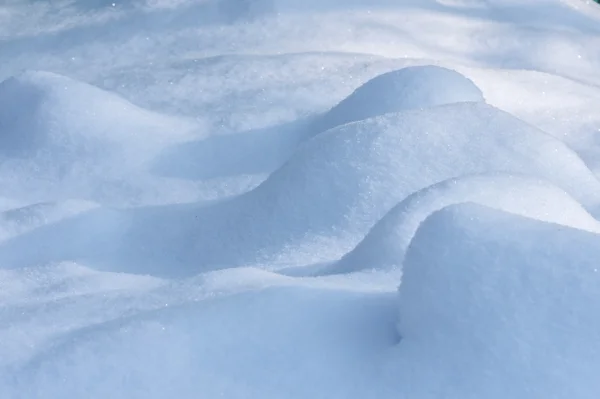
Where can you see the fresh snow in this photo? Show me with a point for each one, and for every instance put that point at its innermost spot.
(388, 240)
(477, 310)
(299, 199)
(408, 88)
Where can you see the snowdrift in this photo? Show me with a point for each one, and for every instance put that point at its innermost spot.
(343, 181)
(105, 294)
(62, 139)
(400, 90)
(491, 305)
(44, 115)
(386, 243)
(322, 202)
(495, 305)
(314, 340)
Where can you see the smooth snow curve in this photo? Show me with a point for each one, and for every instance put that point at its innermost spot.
(327, 196)
(387, 242)
(405, 89)
(321, 336)
(165, 227)
(62, 139)
(45, 115)
(494, 305)
(343, 181)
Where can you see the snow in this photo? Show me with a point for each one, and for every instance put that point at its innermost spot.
(475, 302)
(58, 130)
(327, 196)
(299, 333)
(340, 183)
(299, 199)
(387, 242)
(409, 88)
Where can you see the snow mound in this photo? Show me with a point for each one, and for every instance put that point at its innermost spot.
(322, 202)
(404, 89)
(63, 121)
(62, 139)
(343, 181)
(386, 243)
(311, 340)
(236, 10)
(495, 305)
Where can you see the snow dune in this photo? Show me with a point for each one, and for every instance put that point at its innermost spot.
(343, 181)
(63, 138)
(507, 301)
(387, 242)
(315, 338)
(299, 199)
(476, 315)
(328, 195)
(44, 114)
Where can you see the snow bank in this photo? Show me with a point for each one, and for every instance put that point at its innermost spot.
(282, 342)
(341, 182)
(495, 305)
(386, 243)
(63, 139)
(322, 202)
(51, 116)
(400, 90)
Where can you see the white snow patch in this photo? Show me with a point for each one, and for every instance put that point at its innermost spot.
(495, 305)
(47, 115)
(388, 240)
(342, 182)
(404, 89)
(230, 346)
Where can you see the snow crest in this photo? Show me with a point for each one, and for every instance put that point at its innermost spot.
(404, 89)
(387, 242)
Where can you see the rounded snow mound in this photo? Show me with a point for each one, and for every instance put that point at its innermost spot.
(340, 183)
(51, 116)
(325, 335)
(494, 305)
(387, 242)
(326, 198)
(404, 89)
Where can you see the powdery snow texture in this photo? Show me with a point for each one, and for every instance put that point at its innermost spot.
(495, 305)
(386, 243)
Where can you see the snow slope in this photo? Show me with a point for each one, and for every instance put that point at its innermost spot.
(476, 328)
(388, 240)
(327, 196)
(299, 199)
(47, 113)
(341, 182)
(58, 131)
(409, 88)
(506, 301)
(314, 338)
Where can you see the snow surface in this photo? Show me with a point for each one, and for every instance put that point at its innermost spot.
(299, 199)
(474, 302)
(388, 240)
(408, 88)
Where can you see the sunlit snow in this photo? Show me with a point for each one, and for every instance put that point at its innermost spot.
(299, 199)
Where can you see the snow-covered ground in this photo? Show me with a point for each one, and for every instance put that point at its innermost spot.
(299, 199)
